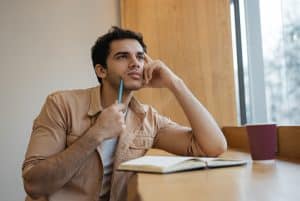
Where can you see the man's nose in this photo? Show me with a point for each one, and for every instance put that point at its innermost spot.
(134, 62)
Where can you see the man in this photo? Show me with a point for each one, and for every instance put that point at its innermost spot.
(81, 136)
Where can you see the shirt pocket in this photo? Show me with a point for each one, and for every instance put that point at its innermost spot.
(139, 146)
(141, 142)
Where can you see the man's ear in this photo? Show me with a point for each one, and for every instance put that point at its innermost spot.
(100, 71)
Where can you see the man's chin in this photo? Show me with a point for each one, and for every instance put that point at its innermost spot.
(133, 87)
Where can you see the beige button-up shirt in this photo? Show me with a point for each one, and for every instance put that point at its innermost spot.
(67, 115)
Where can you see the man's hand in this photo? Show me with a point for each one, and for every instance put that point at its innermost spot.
(157, 74)
(110, 123)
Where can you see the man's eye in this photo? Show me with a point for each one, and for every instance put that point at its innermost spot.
(122, 57)
(141, 57)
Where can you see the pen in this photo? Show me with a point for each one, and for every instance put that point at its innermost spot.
(120, 92)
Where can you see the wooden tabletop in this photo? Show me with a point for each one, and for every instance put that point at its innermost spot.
(275, 181)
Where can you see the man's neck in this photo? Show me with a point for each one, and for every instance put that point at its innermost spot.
(109, 95)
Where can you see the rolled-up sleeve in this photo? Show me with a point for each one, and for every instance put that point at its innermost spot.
(48, 135)
(175, 138)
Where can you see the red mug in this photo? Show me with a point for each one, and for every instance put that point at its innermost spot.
(263, 141)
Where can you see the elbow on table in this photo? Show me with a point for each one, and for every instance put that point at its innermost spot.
(217, 149)
(222, 148)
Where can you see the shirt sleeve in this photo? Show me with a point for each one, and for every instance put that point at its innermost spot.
(48, 135)
(175, 138)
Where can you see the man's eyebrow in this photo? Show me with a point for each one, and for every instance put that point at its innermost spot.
(120, 53)
(126, 53)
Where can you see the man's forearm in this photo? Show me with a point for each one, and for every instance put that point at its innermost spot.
(52, 173)
(205, 129)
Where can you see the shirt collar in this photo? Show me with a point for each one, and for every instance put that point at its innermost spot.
(96, 106)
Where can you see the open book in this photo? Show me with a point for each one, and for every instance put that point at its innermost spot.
(167, 164)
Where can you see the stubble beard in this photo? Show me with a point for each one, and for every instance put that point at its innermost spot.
(132, 87)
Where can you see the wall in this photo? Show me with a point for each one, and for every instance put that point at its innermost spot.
(194, 39)
(44, 47)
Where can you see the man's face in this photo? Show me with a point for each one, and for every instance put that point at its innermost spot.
(125, 61)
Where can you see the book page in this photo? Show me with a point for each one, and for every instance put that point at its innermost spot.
(165, 164)
(158, 163)
(225, 162)
(189, 164)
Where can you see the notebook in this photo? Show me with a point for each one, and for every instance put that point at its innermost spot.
(168, 164)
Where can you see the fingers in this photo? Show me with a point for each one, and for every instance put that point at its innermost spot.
(123, 127)
(146, 74)
(120, 107)
(148, 71)
(119, 110)
(148, 59)
(148, 68)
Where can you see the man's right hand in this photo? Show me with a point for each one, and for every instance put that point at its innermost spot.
(110, 123)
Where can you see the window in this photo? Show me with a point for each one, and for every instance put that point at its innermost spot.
(270, 60)
(281, 50)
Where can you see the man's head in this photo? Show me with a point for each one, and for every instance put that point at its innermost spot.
(102, 47)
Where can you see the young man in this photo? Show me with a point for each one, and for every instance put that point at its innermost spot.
(81, 136)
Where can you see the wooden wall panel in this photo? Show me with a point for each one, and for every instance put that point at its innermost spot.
(236, 137)
(289, 141)
(194, 39)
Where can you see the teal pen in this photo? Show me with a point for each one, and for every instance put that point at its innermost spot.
(120, 92)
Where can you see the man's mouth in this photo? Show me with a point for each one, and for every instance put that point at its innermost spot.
(135, 75)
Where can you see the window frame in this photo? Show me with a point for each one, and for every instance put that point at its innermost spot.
(249, 59)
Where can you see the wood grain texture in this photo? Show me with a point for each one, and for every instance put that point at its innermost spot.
(236, 137)
(256, 181)
(289, 141)
(194, 39)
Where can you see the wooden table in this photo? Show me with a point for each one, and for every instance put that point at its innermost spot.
(275, 181)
